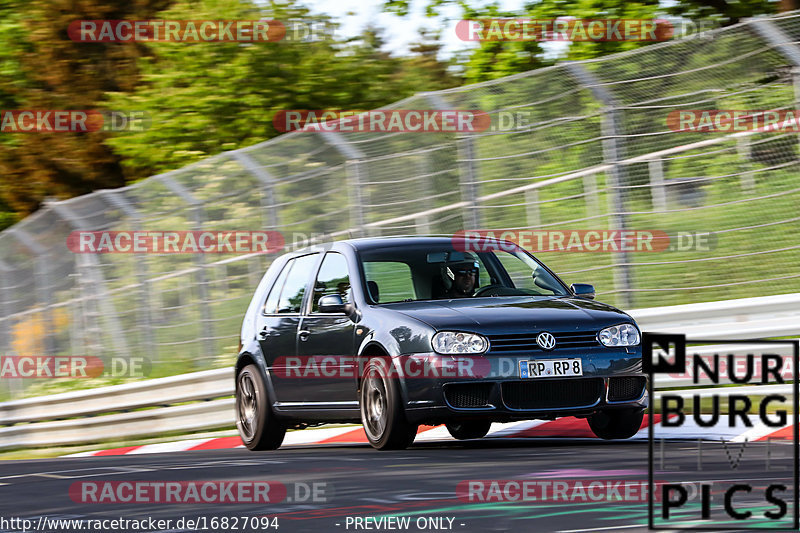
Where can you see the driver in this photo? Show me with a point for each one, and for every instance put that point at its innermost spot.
(460, 279)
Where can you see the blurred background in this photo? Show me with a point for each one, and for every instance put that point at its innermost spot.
(594, 152)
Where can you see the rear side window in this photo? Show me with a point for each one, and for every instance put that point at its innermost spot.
(286, 295)
(271, 305)
(332, 279)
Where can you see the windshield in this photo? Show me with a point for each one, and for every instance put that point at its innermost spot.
(422, 272)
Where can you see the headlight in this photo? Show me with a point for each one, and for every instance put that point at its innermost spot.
(622, 335)
(453, 342)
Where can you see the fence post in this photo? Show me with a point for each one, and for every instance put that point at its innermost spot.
(77, 333)
(7, 298)
(590, 192)
(467, 173)
(468, 177)
(744, 151)
(424, 167)
(612, 154)
(657, 191)
(354, 169)
(532, 216)
(206, 322)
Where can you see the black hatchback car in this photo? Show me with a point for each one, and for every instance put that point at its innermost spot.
(400, 331)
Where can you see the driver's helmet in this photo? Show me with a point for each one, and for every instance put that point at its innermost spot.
(449, 272)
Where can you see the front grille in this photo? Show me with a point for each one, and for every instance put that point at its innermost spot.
(527, 341)
(466, 395)
(625, 388)
(552, 393)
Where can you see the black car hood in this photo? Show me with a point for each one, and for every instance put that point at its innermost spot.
(513, 314)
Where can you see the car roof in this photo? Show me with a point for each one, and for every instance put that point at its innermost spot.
(373, 243)
(369, 243)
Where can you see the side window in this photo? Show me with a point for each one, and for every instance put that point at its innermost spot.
(389, 281)
(519, 272)
(271, 305)
(528, 276)
(332, 279)
(291, 297)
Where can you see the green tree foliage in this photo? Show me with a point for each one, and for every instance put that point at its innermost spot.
(43, 69)
(724, 11)
(211, 97)
(494, 59)
(727, 11)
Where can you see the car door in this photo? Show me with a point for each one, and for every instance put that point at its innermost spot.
(326, 340)
(278, 323)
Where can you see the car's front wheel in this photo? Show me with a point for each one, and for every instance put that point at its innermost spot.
(474, 429)
(382, 411)
(616, 423)
(257, 425)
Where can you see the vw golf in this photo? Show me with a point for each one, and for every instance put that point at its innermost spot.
(395, 332)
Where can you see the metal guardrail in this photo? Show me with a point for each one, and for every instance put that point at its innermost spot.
(149, 407)
(197, 386)
(746, 318)
(177, 419)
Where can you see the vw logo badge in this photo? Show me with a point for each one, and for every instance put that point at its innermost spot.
(546, 340)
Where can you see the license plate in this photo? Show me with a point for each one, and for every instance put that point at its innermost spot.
(550, 368)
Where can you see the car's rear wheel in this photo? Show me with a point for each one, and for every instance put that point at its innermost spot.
(382, 411)
(258, 427)
(616, 423)
(473, 429)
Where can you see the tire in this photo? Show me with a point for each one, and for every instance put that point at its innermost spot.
(616, 423)
(381, 407)
(473, 429)
(258, 427)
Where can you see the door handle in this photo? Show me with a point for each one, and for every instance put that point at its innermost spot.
(264, 333)
(304, 333)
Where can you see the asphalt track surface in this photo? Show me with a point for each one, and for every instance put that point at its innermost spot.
(419, 483)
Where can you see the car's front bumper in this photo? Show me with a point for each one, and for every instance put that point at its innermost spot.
(612, 379)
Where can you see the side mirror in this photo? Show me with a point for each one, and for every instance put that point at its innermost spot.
(584, 290)
(333, 303)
